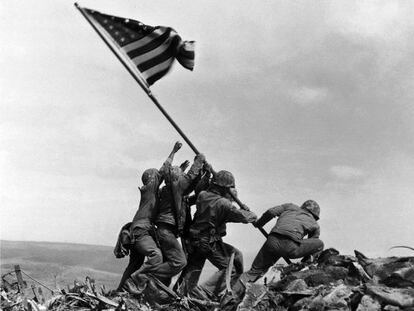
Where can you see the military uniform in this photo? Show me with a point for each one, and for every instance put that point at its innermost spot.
(171, 218)
(206, 232)
(285, 239)
(142, 232)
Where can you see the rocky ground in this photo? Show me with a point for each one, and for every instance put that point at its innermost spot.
(332, 282)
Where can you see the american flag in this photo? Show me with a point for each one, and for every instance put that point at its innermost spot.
(151, 50)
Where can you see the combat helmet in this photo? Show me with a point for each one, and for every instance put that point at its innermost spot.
(312, 207)
(224, 179)
(148, 174)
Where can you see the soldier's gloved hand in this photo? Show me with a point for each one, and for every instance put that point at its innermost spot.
(184, 165)
(200, 157)
(177, 146)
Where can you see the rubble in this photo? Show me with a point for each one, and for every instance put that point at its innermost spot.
(332, 282)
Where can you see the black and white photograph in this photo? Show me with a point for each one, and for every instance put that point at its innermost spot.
(207, 155)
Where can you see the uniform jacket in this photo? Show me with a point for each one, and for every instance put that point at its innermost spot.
(212, 214)
(293, 221)
(147, 209)
(172, 207)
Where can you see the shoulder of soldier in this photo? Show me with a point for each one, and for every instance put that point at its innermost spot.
(202, 194)
(291, 206)
(226, 203)
(152, 184)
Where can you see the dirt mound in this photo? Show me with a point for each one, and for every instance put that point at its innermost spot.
(332, 282)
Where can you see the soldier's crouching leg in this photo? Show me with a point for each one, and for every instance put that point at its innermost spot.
(307, 247)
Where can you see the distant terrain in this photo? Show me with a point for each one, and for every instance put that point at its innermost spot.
(59, 264)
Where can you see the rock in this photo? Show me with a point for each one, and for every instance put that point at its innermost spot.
(297, 287)
(392, 271)
(331, 257)
(301, 304)
(317, 276)
(317, 304)
(338, 297)
(254, 293)
(368, 304)
(391, 308)
(271, 276)
(258, 298)
(401, 297)
(403, 277)
(357, 274)
(283, 283)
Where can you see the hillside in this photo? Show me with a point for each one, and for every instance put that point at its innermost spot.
(59, 264)
(62, 263)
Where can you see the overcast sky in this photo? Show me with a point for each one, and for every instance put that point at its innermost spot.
(299, 99)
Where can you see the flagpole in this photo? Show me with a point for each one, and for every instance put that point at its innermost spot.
(137, 77)
(142, 83)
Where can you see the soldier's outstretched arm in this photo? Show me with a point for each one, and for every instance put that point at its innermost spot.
(168, 162)
(177, 146)
(269, 215)
(192, 174)
(239, 215)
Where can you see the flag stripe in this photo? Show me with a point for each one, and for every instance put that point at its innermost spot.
(142, 41)
(157, 76)
(158, 68)
(148, 51)
(158, 59)
(151, 54)
(185, 55)
(156, 42)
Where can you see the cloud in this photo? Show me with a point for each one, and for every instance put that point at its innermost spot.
(368, 18)
(305, 96)
(374, 214)
(346, 172)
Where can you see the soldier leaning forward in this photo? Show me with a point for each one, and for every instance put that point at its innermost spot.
(285, 240)
(214, 210)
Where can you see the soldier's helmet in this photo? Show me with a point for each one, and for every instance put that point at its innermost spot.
(312, 207)
(148, 174)
(224, 179)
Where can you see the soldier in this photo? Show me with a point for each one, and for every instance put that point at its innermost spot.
(143, 242)
(214, 210)
(285, 239)
(170, 220)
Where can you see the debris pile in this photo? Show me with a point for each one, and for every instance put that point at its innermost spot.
(332, 282)
(337, 282)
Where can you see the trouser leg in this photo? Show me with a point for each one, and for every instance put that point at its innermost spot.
(190, 275)
(306, 247)
(267, 256)
(174, 256)
(220, 257)
(135, 262)
(146, 246)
